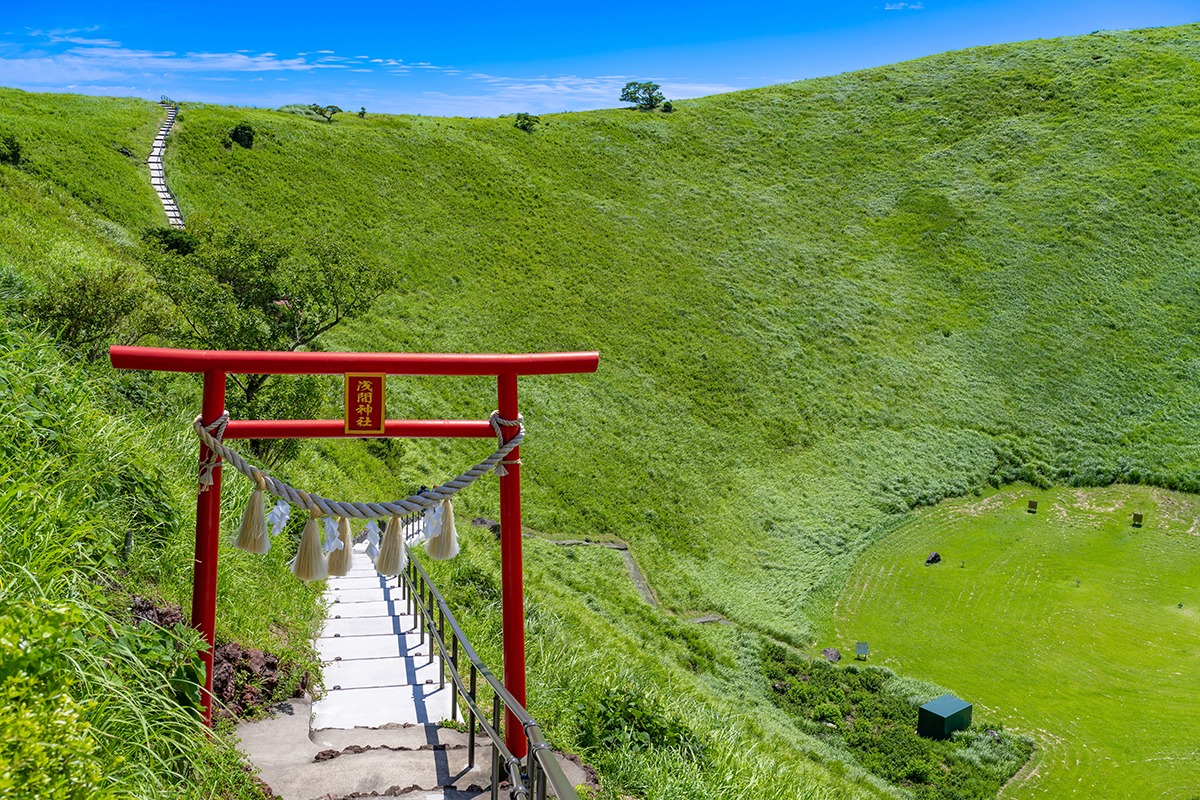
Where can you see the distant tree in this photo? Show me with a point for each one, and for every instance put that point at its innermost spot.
(325, 111)
(237, 290)
(10, 149)
(526, 122)
(242, 134)
(668, 107)
(645, 95)
(362, 112)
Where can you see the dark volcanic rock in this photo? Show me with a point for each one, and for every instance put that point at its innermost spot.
(934, 558)
(832, 655)
(245, 679)
(144, 609)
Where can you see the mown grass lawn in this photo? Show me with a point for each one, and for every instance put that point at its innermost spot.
(1103, 673)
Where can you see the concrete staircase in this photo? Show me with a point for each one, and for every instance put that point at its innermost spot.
(157, 178)
(375, 730)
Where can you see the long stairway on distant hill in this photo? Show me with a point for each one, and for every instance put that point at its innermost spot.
(157, 178)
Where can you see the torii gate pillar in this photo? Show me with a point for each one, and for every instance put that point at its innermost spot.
(208, 539)
(512, 590)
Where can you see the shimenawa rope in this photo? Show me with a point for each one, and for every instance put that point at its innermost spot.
(426, 500)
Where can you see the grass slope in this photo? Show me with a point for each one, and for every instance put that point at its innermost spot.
(819, 304)
(98, 497)
(1101, 672)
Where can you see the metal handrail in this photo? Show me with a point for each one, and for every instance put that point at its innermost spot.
(542, 766)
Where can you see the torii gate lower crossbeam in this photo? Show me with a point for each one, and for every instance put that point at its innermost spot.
(216, 365)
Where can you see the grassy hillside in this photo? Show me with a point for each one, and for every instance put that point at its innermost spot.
(97, 499)
(819, 306)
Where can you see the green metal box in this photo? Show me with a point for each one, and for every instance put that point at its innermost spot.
(939, 718)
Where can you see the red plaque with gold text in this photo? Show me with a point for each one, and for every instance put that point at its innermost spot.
(365, 410)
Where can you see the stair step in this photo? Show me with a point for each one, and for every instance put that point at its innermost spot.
(381, 608)
(346, 648)
(373, 672)
(382, 705)
(362, 594)
(393, 624)
(412, 737)
(357, 579)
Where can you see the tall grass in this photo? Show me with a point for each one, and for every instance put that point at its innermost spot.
(90, 512)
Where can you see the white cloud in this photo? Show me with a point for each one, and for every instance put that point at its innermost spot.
(85, 41)
(66, 60)
(681, 90)
(903, 6)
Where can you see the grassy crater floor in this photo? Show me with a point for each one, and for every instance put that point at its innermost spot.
(1065, 625)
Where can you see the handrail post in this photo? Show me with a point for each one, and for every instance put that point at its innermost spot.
(420, 606)
(471, 718)
(412, 584)
(208, 537)
(454, 684)
(495, 750)
(532, 765)
(442, 639)
(429, 622)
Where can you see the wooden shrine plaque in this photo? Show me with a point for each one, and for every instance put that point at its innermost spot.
(365, 407)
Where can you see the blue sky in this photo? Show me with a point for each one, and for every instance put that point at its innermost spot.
(485, 59)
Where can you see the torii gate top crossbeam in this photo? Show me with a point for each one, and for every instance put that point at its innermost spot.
(292, 363)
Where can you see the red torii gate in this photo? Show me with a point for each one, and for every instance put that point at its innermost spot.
(215, 365)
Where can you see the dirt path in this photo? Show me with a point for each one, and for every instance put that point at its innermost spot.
(635, 575)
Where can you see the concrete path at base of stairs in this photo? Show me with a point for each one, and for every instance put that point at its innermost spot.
(301, 765)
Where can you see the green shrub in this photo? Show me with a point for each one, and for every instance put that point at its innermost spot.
(827, 712)
(47, 746)
(882, 735)
(89, 302)
(622, 717)
(243, 134)
(526, 122)
(299, 110)
(172, 240)
(10, 149)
